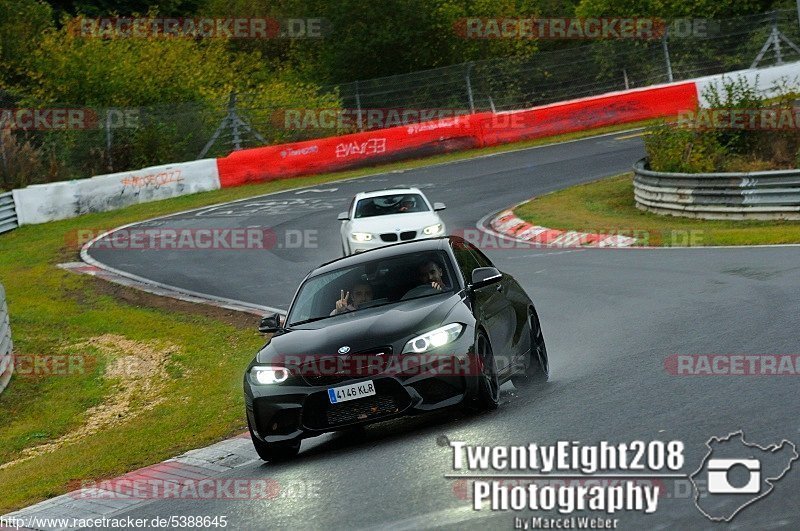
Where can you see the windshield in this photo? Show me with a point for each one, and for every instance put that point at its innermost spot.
(391, 204)
(372, 284)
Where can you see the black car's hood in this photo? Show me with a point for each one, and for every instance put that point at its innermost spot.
(361, 330)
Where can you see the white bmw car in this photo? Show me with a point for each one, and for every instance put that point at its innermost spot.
(390, 216)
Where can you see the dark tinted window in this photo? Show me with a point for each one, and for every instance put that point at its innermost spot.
(466, 261)
(479, 256)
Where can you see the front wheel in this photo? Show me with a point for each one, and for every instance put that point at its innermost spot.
(273, 451)
(537, 365)
(487, 394)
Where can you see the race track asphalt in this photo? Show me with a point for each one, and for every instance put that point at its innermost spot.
(610, 318)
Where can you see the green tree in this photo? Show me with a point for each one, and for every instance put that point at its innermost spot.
(21, 24)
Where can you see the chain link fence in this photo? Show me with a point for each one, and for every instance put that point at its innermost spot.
(124, 139)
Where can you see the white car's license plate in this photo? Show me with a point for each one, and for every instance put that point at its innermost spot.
(351, 392)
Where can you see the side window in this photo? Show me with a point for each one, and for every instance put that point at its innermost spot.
(466, 261)
(479, 256)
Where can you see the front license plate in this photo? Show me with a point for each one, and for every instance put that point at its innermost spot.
(351, 392)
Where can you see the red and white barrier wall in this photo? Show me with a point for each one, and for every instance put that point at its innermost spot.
(41, 203)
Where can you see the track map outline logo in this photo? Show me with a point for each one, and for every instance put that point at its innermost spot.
(718, 467)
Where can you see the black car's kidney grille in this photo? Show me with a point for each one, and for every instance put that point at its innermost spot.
(408, 235)
(389, 237)
(332, 370)
(325, 379)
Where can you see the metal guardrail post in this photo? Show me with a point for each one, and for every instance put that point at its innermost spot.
(6, 345)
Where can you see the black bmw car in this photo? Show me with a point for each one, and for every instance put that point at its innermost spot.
(403, 329)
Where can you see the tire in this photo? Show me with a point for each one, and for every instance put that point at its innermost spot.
(487, 393)
(537, 364)
(273, 452)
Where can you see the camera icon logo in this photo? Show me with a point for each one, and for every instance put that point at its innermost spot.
(718, 476)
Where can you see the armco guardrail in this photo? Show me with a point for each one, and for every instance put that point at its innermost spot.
(766, 195)
(8, 213)
(6, 359)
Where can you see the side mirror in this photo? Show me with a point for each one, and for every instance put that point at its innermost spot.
(343, 216)
(439, 206)
(483, 276)
(270, 324)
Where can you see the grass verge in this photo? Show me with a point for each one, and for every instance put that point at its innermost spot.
(608, 206)
(124, 379)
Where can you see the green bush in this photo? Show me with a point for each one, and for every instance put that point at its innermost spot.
(696, 144)
(673, 149)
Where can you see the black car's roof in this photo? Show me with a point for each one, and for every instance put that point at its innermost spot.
(397, 249)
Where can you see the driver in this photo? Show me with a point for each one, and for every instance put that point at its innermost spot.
(361, 293)
(430, 272)
(406, 205)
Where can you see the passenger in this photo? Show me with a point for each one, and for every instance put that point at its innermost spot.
(361, 293)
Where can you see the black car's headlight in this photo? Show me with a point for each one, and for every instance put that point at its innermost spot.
(262, 375)
(433, 339)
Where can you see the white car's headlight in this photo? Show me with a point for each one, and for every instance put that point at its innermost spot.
(433, 229)
(269, 375)
(362, 236)
(435, 338)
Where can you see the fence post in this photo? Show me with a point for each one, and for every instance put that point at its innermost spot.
(665, 47)
(233, 119)
(237, 141)
(469, 90)
(777, 38)
(358, 108)
(3, 157)
(108, 141)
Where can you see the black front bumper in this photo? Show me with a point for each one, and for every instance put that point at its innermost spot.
(285, 413)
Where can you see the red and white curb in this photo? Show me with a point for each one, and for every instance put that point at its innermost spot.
(195, 475)
(508, 224)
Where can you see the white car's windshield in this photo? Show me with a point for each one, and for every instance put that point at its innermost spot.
(371, 284)
(391, 204)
